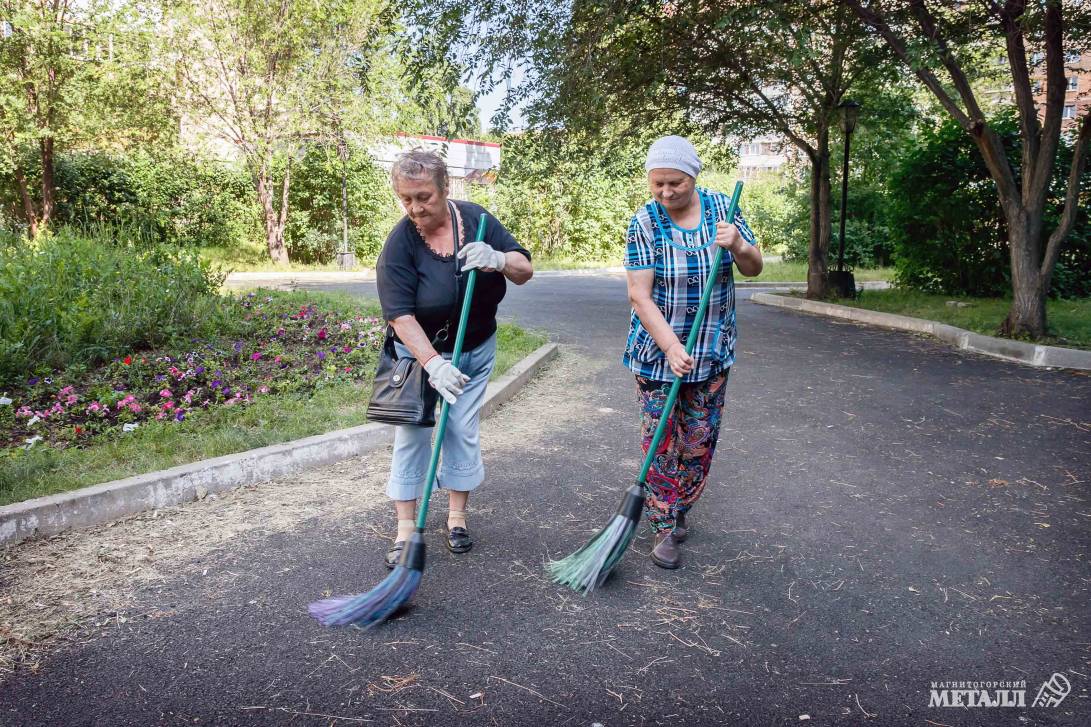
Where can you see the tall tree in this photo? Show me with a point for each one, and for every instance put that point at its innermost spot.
(725, 68)
(932, 42)
(71, 74)
(265, 78)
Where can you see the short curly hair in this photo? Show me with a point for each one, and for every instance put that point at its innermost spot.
(420, 164)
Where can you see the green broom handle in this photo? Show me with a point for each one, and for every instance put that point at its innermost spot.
(691, 341)
(441, 426)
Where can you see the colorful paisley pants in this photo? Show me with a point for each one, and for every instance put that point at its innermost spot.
(677, 475)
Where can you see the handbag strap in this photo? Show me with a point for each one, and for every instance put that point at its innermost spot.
(443, 333)
(456, 224)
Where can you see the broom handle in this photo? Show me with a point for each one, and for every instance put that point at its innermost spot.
(691, 341)
(441, 426)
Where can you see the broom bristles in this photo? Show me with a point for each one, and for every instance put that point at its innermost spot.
(375, 606)
(378, 604)
(592, 564)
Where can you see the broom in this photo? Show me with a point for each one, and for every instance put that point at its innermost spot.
(589, 566)
(398, 588)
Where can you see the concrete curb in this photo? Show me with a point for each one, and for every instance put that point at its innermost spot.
(1026, 353)
(109, 501)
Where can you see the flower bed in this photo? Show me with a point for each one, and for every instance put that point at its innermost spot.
(275, 343)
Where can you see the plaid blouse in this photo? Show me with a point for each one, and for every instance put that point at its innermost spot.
(682, 260)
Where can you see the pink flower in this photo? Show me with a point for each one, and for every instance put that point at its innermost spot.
(165, 393)
(276, 359)
(255, 356)
(72, 399)
(346, 349)
(95, 406)
(25, 411)
(135, 408)
(188, 398)
(322, 335)
(264, 390)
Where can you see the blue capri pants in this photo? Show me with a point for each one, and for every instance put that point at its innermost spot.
(460, 467)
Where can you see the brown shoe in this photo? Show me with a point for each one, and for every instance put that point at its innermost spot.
(666, 553)
(680, 530)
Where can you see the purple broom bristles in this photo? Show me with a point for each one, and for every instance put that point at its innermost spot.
(373, 607)
(378, 604)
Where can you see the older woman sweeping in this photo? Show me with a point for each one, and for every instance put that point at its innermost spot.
(418, 280)
(670, 248)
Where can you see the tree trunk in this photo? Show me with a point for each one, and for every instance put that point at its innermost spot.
(274, 227)
(28, 203)
(49, 186)
(818, 249)
(1027, 315)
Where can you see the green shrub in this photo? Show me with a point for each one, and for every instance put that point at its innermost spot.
(562, 204)
(171, 197)
(68, 299)
(775, 211)
(949, 229)
(313, 234)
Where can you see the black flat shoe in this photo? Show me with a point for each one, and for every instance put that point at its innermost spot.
(394, 555)
(459, 540)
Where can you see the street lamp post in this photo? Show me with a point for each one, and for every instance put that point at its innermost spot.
(346, 258)
(842, 280)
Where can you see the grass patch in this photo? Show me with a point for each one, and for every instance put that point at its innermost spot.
(305, 399)
(796, 272)
(255, 259)
(1069, 320)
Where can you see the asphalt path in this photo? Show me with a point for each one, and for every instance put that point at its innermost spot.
(883, 512)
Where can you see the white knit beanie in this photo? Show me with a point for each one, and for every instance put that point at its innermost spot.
(673, 152)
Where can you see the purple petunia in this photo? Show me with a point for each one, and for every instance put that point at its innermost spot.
(33, 381)
(179, 414)
(238, 346)
(321, 355)
(216, 383)
(200, 370)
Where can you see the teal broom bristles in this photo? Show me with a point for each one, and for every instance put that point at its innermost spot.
(591, 565)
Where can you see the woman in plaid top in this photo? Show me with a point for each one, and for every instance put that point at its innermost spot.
(670, 250)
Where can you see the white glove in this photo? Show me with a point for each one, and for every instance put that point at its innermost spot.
(445, 378)
(482, 255)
